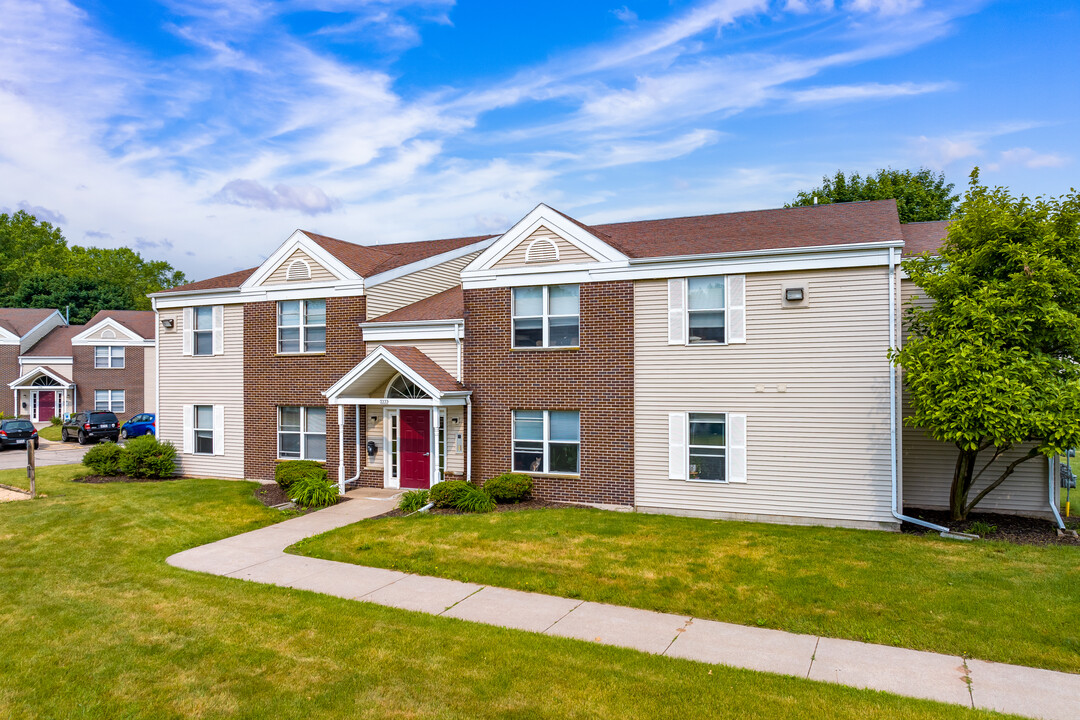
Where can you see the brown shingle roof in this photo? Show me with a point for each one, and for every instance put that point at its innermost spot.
(141, 322)
(22, 320)
(836, 224)
(447, 305)
(924, 236)
(221, 282)
(57, 343)
(425, 367)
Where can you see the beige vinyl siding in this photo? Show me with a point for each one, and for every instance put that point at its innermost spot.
(443, 352)
(206, 380)
(98, 336)
(927, 468)
(318, 272)
(818, 447)
(407, 289)
(62, 369)
(568, 253)
(149, 379)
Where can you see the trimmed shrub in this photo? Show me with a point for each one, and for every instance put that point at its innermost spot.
(413, 500)
(288, 472)
(104, 458)
(510, 487)
(312, 491)
(55, 421)
(446, 493)
(147, 457)
(475, 500)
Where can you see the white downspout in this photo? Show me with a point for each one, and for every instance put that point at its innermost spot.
(341, 449)
(1055, 496)
(893, 435)
(468, 438)
(359, 448)
(457, 341)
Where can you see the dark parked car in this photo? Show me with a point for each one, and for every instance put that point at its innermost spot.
(89, 427)
(142, 424)
(16, 433)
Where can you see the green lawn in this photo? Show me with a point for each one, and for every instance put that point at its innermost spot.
(989, 600)
(94, 624)
(50, 433)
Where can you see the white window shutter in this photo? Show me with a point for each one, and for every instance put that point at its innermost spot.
(219, 324)
(189, 330)
(736, 430)
(736, 308)
(677, 446)
(219, 429)
(189, 429)
(676, 311)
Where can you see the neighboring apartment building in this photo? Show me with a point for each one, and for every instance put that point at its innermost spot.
(106, 364)
(729, 366)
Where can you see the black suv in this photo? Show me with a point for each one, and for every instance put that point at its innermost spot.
(91, 426)
(16, 433)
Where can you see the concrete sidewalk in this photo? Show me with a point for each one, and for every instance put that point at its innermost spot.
(258, 556)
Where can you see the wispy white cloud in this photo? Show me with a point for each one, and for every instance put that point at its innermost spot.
(309, 200)
(38, 211)
(865, 91)
(940, 152)
(1028, 158)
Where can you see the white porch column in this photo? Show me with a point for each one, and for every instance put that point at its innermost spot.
(434, 469)
(341, 448)
(16, 405)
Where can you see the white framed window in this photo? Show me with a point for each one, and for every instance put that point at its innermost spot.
(109, 356)
(109, 401)
(547, 441)
(204, 429)
(301, 326)
(302, 433)
(393, 444)
(203, 331)
(706, 303)
(546, 316)
(708, 310)
(442, 445)
(707, 446)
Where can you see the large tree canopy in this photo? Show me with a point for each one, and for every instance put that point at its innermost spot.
(994, 364)
(919, 196)
(38, 269)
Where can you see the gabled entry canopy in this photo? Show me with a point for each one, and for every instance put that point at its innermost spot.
(364, 384)
(40, 378)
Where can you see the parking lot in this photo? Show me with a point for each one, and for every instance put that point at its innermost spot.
(49, 453)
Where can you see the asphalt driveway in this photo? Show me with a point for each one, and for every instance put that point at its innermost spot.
(49, 453)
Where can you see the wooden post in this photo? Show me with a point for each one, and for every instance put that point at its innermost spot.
(31, 467)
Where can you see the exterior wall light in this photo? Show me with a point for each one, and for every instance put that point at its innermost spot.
(167, 323)
(793, 294)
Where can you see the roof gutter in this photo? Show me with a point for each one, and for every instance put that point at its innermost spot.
(411, 323)
(775, 251)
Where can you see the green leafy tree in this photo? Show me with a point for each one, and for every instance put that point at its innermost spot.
(127, 267)
(994, 364)
(27, 246)
(919, 196)
(84, 295)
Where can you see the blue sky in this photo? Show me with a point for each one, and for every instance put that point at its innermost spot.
(204, 132)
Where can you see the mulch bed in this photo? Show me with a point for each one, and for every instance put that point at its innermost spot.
(1010, 528)
(272, 495)
(534, 504)
(103, 479)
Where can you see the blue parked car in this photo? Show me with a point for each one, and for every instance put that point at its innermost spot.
(143, 424)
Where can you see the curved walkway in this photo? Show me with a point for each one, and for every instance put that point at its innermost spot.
(259, 556)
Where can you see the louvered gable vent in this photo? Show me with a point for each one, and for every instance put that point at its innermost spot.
(298, 270)
(542, 250)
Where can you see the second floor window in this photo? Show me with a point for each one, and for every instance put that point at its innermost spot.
(109, 356)
(705, 310)
(203, 333)
(546, 316)
(301, 326)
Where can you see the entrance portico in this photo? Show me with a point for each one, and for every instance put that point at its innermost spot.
(42, 394)
(415, 412)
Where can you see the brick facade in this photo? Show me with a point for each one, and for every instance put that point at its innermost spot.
(272, 380)
(597, 380)
(130, 379)
(9, 373)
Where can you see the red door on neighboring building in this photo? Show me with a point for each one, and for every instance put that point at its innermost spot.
(46, 406)
(415, 448)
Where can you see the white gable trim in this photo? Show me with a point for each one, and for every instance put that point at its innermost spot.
(414, 330)
(44, 322)
(381, 354)
(542, 215)
(7, 337)
(298, 241)
(125, 336)
(28, 378)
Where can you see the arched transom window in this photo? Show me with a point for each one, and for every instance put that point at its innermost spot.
(44, 381)
(403, 387)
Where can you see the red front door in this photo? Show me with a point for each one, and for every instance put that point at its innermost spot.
(46, 406)
(415, 448)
